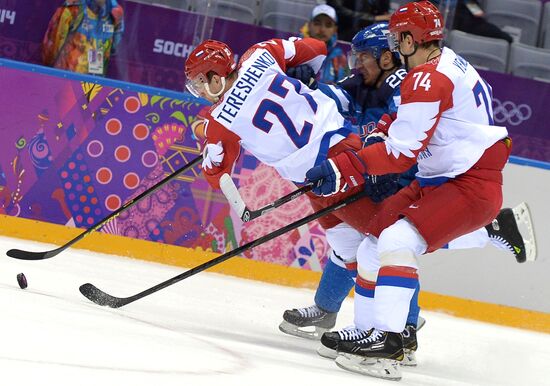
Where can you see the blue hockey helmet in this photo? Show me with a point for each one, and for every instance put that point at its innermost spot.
(373, 39)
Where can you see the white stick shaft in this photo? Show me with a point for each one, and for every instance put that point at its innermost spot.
(232, 194)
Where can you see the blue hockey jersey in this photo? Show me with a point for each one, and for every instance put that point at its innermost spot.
(363, 106)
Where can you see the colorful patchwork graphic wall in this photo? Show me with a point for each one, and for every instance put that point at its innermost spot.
(74, 149)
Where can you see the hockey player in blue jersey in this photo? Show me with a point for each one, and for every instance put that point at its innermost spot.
(371, 92)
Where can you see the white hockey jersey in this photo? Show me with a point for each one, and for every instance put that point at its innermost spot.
(445, 122)
(277, 119)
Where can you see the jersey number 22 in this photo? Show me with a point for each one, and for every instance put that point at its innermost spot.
(277, 87)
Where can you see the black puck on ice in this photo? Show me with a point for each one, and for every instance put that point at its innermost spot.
(22, 280)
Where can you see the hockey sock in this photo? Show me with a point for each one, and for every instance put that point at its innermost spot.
(414, 308)
(335, 284)
(475, 239)
(364, 303)
(395, 288)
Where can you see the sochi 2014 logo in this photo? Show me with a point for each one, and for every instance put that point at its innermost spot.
(508, 112)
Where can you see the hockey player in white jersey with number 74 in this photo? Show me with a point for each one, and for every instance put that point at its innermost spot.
(444, 124)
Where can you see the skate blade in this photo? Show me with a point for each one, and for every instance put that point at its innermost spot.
(409, 358)
(311, 332)
(420, 323)
(326, 352)
(373, 367)
(522, 215)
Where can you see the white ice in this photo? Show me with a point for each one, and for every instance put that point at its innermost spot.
(212, 330)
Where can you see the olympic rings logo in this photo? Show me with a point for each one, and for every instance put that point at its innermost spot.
(508, 112)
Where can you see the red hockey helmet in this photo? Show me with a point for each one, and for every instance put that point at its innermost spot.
(209, 56)
(421, 19)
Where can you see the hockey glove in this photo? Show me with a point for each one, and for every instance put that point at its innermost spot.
(379, 188)
(383, 125)
(336, 174)
(304, 73)
(212, 155)
(380, 132)
(373, 138)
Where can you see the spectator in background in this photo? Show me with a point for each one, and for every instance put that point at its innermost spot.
(355, 15)
(323, 26)
(82, 36)
(470, 18)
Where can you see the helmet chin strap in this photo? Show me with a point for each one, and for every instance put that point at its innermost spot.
(216, 95)
(407, 56)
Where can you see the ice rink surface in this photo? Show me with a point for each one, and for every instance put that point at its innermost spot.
(212, 330)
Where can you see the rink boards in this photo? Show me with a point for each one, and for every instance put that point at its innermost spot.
(61, 134)
(255, 270)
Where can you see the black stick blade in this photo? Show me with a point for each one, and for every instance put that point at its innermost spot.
(103, 299)
(27, 255)
(99, 297)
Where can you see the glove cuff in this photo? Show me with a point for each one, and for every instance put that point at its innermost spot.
(385, 122)
(375, 137)
(351, 167)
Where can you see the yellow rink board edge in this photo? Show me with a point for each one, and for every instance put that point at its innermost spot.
(245, 268)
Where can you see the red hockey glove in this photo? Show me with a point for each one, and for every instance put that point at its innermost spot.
(383, 125)
(380, 133)
(337, 174)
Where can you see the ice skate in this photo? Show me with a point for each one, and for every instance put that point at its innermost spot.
(504, 232)
(410, 345)
(329, 340)
(378, 355)
(420, 323)
(308, 322)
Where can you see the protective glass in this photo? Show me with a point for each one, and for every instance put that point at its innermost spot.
(393, 41)
(357, 58)
(195, 87)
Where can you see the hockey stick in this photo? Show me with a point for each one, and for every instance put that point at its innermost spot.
(27, 255)
(104, 299)
(237, 203)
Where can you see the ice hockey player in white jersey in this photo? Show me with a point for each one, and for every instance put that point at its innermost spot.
(445, 124)
(372, 92)
(279, 120)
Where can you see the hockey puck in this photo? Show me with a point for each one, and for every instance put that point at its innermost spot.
(22, 280)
